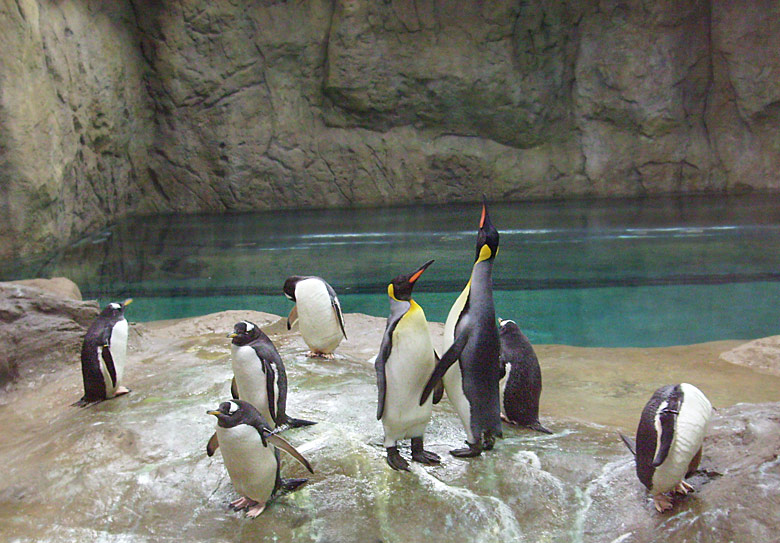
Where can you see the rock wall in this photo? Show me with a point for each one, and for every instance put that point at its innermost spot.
(141, 106)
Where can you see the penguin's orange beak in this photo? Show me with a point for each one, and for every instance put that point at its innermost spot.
(416, 275)
(127, 302)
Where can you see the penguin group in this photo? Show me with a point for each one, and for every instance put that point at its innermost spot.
(488, 369)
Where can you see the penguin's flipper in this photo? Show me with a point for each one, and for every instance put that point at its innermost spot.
(334, 301)
(438, 391)
(105, 353)
(298, 423)
(280, 443)
(381, 358)
(270, 382)
(628, 443)
(290, 485)
(447, 360)
(292, 318)
(212, 445)
(667, 418)
(234, 388)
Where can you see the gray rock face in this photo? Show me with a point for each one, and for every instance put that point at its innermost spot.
(141, 106)
(41, 329)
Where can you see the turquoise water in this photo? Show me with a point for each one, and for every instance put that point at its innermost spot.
(647, 272)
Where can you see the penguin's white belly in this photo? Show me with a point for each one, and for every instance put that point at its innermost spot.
(407, 369)
(689, 432)
(317, 320)
(453, 378)
(251, 466)
(118, 348)
(251, 380)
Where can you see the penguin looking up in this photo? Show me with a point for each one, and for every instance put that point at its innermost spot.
(251, 455)
(318, 313)
(405, 361)
(259, 377)
(103, 355)
(471, 340)
(521, 382)
(669, 440)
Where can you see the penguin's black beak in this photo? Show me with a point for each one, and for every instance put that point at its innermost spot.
(416, 275)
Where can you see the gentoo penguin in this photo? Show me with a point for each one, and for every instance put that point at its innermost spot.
(259, 377)
(471, 339)
(103, 355)
(521, 381)
(669, 440)
(405, 361)
(250, 451)
(317, 312)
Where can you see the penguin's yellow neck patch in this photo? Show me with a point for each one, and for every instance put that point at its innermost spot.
(485, 253)
(391, 291)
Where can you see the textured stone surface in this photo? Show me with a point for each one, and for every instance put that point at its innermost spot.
(41, 328)
(761, 354)
(111, 108)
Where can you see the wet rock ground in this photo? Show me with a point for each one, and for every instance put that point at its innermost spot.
(135, 469)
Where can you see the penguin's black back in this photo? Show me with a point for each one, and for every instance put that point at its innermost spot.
(98, 335)
(646, 435)
(524, 383)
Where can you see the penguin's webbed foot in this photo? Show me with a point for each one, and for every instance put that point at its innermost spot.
(683, 488)
(317, 354)
(419, 454)
(121, 390)
(488, 441)
(242, 503)
(84, 403)
(395, 460)
(662, 502)
(473, 450)
(255, 510)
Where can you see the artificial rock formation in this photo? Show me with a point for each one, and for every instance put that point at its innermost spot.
(139, 106)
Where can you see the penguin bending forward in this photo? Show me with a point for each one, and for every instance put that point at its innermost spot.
(521, 381)
(103, 355)
(250, 450)
(405, 361)
(318, 313)
(259, 377)
(669, 440)
(471, 339)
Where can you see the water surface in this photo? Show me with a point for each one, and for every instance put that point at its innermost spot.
(609, 273)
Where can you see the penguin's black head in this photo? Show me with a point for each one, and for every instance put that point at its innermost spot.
(487, 236)
(244, 332)
(506, 326)
(232, 413)
(289, 286)
(115, 310)
(401, 287)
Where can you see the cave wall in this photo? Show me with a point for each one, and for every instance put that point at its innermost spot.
(142, 106)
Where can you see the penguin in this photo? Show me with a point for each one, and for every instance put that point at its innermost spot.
(250, 450)
(405, 361)
(669, 441)
(318, 313)
(471, 339)
(103, 355)
(521, 381)
(259, 377)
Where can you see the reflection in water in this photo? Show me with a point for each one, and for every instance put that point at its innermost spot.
(645, 272)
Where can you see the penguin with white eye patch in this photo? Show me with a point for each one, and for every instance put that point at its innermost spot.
(259, 378)
(250, 450)
(317, 312)
(103, 355)
(669, 440)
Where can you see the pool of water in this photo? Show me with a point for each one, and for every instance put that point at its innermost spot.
(629, 273)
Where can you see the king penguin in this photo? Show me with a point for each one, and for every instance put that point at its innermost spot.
(471, 339)
(669, 440)
(521, 381)
(405, 361)
(318, 313)
(259, 377)
(103, 355)
(251, 455)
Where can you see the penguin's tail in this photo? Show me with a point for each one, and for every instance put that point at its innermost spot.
(289, 485)
(292, 422)
(539, 428)
(627, 441)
